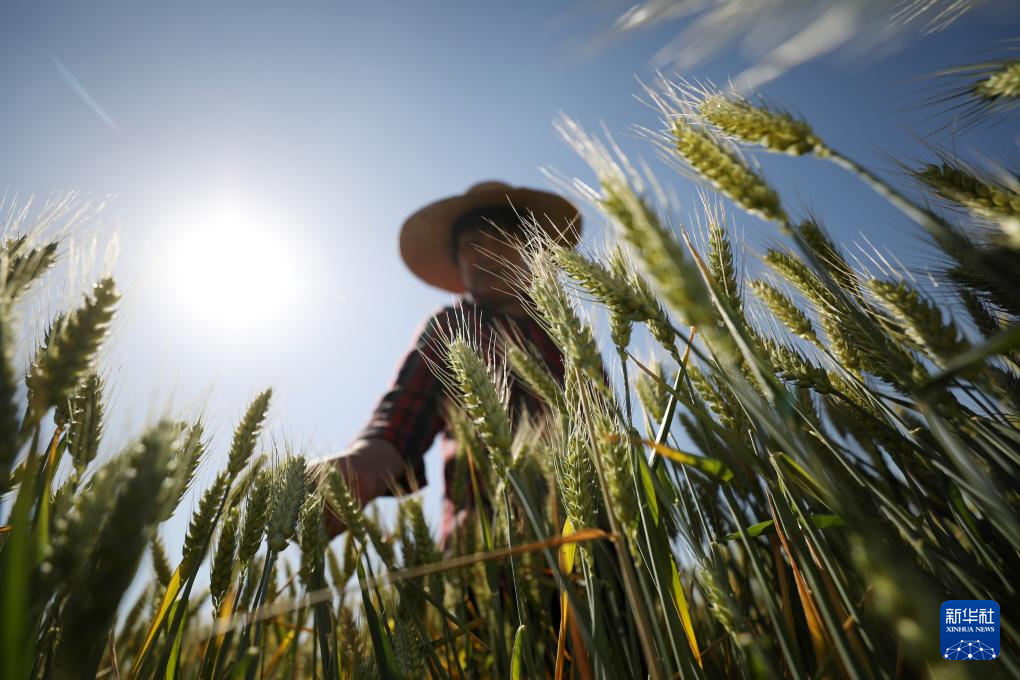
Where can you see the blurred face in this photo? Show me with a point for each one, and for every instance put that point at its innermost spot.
(486, 263)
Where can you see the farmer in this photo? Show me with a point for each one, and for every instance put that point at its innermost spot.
(458, 244)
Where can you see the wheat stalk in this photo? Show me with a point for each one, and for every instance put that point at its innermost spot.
(664, 259)
(957, 185)
(188, 453)
(484, 401)
(313, 539)
(71, 348)
(200, 528)
(786, 310)
(343, 502)
(160, 562)
(721, 265)
(724, 169)
(617, 453)
(792, 366)
(222, 570)
(575, 475)
(922, 321)
(247, 432)
(536, 376)
(1001, 82)
(287, 496)
(761, 125)
(20, 269)
(256, 518)
(708, 157)
(86, 422)
(560, 318)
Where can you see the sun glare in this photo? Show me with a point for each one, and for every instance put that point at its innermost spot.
(235, 269)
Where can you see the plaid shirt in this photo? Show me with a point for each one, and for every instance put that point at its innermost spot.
(410, 414)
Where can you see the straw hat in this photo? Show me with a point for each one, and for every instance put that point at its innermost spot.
(425, 235)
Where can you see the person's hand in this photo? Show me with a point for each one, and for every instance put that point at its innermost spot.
(368, 466)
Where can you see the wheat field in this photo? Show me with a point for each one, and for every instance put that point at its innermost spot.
(819, 457)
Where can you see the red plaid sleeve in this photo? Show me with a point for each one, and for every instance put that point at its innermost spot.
(409, 414)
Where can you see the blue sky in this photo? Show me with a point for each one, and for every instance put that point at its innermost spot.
(319, 126)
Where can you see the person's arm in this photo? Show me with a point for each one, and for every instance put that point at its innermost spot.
(388, 455)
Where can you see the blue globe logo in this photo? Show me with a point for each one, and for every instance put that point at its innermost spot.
(969, 650)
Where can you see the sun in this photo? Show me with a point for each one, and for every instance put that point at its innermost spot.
(234, 267)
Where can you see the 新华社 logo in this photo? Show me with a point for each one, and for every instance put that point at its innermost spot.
(970, 630)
